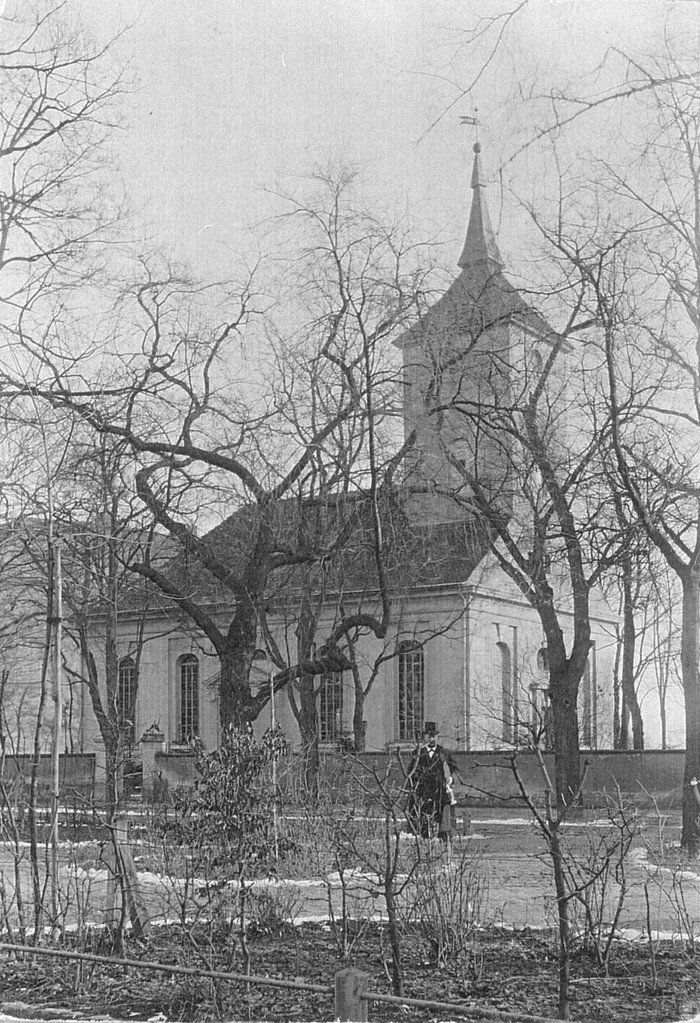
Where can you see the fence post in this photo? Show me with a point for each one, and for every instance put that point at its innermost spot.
(350, 985)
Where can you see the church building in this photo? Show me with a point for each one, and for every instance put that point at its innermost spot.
(466, 650)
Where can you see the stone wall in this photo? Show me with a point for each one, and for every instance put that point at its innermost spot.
(487, 775)
(76, 775)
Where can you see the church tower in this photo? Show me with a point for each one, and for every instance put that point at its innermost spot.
(462, 358)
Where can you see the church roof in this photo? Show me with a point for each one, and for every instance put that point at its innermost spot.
(415, 555)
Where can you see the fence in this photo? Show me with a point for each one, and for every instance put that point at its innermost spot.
(351, 997)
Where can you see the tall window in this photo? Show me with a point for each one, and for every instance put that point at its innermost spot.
(188, 721)
(330, 707)
(587, 704)
(126, 698)
(507, 694)
(411, 691)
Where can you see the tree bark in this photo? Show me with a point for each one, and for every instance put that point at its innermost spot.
(358, 719)
(567, 759)
(565, 674)
(662, 718)
(236, 704)
(629, 642)
(624, 725)
(309, 732)
(690, 651)
(617, 695)
(306, 631)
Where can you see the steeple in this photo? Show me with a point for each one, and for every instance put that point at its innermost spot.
(480, 248)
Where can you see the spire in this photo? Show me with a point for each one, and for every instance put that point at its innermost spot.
(480, 248)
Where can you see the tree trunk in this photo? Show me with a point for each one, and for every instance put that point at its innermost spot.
(236, 706)
(629, 642)
(309, 732)
(662, 718)
(690, 651)
(358, 719)
(567, 760)
(308, 725)
(559, 869)
(114, 771)
(624, 725)
(617, 695)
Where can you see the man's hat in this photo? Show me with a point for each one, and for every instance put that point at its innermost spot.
(430, 728)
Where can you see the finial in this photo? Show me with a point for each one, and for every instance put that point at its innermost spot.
(477, 147)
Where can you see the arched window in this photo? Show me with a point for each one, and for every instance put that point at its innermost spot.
(411, 691)
(507, 694)
(126, 698)
(188, 710)
(330, 707)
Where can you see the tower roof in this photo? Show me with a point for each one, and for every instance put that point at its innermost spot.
(481, 296)
(480, 247)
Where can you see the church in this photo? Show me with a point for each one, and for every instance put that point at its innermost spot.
(465, 648)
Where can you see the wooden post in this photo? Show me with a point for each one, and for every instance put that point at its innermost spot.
(350, 985)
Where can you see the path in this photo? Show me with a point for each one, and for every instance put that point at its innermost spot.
(504, 850)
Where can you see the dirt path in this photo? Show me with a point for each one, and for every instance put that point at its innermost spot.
(506, 852)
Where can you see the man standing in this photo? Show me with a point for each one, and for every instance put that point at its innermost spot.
(430, 780)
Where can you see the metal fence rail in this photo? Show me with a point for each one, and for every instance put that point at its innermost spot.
(346, 1011)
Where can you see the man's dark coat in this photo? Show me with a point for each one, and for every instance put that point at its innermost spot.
(431, 799)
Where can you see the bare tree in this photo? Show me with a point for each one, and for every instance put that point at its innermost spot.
(102, 536)
(207, 429)
(540, 505)
(665, 649)
(641, 270)
(58, 106)
(672, 211)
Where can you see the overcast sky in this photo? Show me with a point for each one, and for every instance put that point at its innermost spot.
(234, 97)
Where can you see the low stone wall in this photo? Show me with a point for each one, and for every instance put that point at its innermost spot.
(642, 775)
(76, 776)
(487, 775)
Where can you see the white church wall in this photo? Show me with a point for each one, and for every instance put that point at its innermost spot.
(462, 661)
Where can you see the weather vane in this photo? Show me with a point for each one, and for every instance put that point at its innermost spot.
(474, 122)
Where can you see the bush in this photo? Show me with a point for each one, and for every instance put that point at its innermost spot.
(230, 815)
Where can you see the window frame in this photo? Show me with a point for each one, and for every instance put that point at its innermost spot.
(126, 708)
(188, 702)
(329, 715)
(411, 690)
(508, 702)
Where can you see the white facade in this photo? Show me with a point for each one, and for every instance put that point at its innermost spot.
(468, 657)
